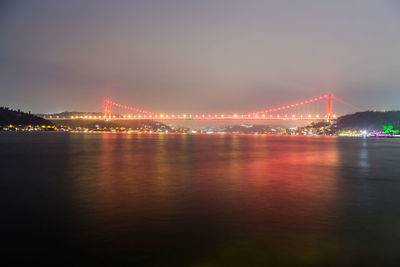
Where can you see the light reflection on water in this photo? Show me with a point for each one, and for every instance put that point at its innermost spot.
(220, 200)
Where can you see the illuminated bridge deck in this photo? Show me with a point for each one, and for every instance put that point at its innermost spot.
(194, 117)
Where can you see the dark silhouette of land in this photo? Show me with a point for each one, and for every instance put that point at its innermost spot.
(141, 125)
(369, 120)
(68, 114)
(248, 129)
(17, 117)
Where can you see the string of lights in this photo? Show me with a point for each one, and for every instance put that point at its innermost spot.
(143, 114)
(308, 101)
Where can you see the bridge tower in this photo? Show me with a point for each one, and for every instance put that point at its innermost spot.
(329, 107)
(107, 110)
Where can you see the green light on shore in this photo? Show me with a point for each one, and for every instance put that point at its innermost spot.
(387, 128)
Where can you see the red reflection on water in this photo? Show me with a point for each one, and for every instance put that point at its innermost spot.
(258, 187)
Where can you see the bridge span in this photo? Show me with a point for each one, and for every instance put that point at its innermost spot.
(277, 113)
(295, 111)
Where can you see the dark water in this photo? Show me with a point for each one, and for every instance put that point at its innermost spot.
(204, 200)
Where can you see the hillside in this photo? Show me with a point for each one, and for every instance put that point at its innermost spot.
(101, 124)
(69, 114)
(17, 117)
(369, 120)
(248, 129)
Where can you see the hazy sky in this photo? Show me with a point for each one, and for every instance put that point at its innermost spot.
(197, 55)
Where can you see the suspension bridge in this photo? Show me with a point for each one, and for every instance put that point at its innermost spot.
(275, 113)
(293, 111)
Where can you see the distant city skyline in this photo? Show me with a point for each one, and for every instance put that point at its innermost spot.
(219, 56)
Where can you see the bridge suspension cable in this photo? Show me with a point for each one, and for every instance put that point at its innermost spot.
(249, 116)
(347, 103)
(308, 101)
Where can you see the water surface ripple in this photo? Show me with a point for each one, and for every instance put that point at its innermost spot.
(199, 200)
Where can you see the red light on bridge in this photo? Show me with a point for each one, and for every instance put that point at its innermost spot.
(249, 116)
